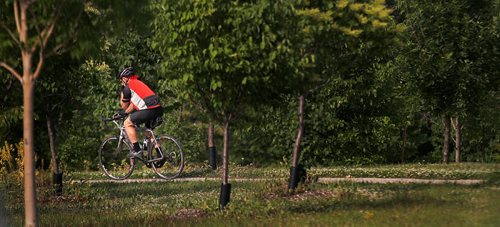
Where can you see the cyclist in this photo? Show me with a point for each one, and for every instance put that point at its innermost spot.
(138, 100)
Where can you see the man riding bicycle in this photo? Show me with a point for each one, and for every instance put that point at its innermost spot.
(138, 100)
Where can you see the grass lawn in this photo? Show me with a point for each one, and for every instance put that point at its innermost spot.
(269, 203)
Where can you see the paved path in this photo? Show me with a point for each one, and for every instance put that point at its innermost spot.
(400, 181)
(320, 180)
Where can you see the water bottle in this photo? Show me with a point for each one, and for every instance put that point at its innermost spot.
(145, 144)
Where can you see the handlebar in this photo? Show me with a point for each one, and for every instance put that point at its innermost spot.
(114, 117)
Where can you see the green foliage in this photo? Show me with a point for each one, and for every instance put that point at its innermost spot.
(447, 61)
(349, 107)
(209, 60)
(221, 55)
(81, 134)
(451, 61)
(10, 103)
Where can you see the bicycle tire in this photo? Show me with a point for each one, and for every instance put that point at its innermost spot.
(174, 163)
(114, 159)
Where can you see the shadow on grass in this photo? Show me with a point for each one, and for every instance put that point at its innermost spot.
(3, 213)
(385, 196)
(313, 206)
(150, 188)
(494, 179)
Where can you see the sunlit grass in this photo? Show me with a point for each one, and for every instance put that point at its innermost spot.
(266, 203)
(420, 171)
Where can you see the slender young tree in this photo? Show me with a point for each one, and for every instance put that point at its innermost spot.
(37, 30)
(212, 152)
(224, 55)
(33, 50)
(323, 27)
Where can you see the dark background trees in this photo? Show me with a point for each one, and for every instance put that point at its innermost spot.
(375, 96)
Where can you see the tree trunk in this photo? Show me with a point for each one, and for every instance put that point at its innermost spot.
(225, 155)
(458, 139)
(300, 132)
(53, 151)
(211, 135)
(225, 192)
(57, 175)
(212, 151)
(29, 156)
(404, 134)
(296, 171)
(446, 140)
(28, 83)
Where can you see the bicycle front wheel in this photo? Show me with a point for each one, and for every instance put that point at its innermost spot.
(114, 158)
(173, 159)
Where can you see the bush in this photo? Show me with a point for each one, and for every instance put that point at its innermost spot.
(11, 161)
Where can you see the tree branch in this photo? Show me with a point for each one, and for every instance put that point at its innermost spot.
(12, 35)
(41, 60)
(205, 100)
(16, 16)
(32, 2)
(454, 122)
(63, 47)
(44, 38)
(48, 30)
(12, 71)
(33, 48)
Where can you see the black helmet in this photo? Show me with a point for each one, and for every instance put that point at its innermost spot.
(126, 72)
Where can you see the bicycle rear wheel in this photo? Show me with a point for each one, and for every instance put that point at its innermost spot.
(114, 158)
(173, 162)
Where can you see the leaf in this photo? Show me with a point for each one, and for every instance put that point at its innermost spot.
(213, 54)
(214, 85)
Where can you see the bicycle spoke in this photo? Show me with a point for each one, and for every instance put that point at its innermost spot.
(114, 159)
(173, 159)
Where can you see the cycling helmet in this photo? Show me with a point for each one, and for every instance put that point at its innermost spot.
(129, 71)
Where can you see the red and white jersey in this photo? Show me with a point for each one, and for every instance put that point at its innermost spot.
(140, 95)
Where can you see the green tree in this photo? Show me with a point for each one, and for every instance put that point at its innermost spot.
(222, 54)
(30, 28)
(345, 39)
(36, 30)
(447, 56)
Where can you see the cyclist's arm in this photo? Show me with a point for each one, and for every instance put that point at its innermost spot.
(124, 104)
(125, 97)
(129, 109)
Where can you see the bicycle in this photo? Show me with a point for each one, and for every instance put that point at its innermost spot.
(166, 159)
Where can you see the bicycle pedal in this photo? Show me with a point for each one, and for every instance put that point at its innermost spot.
(136, 155)
(160, 163)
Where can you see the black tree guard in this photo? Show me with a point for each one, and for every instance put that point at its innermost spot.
(212, 157)
(297, 174)
(58, 183)
(225, 194)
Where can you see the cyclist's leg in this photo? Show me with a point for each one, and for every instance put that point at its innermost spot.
(131, 133)
(157, 112)
(150, 117)
(137, 118)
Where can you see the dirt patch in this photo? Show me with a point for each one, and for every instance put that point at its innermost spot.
(373, 195)
(308, 194)
(189, 213)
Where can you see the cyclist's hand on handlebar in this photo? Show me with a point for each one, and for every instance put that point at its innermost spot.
(119, 114)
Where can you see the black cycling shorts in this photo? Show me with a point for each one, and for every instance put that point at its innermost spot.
(144, 116)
